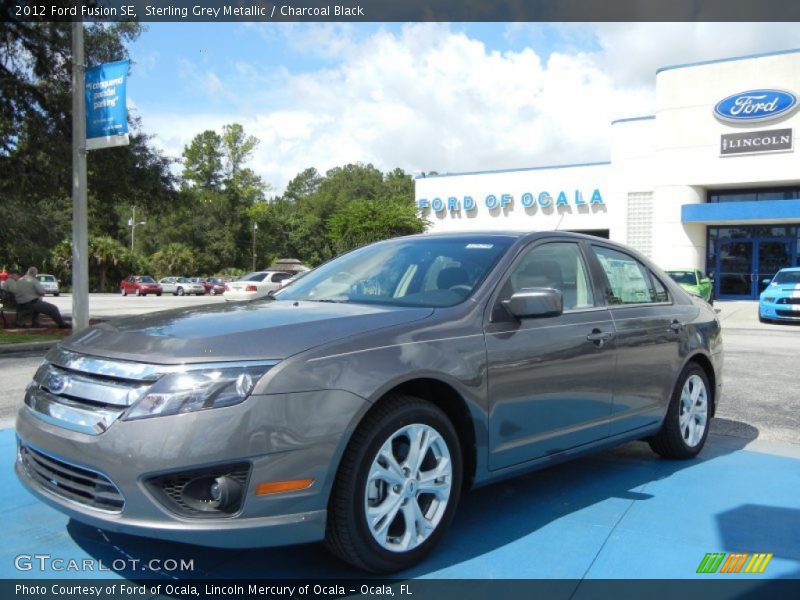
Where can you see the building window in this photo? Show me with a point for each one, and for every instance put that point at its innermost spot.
(640, 222)
(754, 195)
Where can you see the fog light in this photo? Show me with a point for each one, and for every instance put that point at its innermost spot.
(212, 493)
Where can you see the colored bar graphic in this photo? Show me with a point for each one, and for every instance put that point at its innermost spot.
(722, 562)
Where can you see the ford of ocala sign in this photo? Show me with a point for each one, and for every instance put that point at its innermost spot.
(755, 106)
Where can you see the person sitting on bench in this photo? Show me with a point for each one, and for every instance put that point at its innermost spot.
(28, 293)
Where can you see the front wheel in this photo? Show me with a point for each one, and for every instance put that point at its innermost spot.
(180, 292)
(685, 429)
(397, 487)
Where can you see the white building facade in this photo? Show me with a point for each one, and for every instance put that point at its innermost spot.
(710, 181)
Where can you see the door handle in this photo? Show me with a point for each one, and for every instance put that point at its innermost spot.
(676, 326)
(599, 337)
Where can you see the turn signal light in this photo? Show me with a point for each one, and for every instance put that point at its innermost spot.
(276, 487)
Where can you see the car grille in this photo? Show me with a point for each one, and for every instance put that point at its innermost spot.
(788, 313)
(78, 484)
(788, 301)
(84, 393)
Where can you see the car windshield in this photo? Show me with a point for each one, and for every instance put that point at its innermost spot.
(787, 277)
(407, 272)
(147, 279)
(183, 280)
(685, 277)
(46, 278)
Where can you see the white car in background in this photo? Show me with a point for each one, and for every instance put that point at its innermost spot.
(49, 283)
(255, 285)
(181, 286)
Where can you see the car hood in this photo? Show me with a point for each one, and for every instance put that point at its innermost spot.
(257, 330)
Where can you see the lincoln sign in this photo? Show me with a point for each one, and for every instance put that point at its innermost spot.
(752, 142)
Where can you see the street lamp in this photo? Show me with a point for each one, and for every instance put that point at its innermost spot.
(255, 229)
(132, 223)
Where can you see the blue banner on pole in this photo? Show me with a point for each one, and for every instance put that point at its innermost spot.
(106, 110)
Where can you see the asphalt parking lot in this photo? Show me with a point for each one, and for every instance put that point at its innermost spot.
(623, 513)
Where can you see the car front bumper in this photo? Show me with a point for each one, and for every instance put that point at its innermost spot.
(779, 312)
(280, 437)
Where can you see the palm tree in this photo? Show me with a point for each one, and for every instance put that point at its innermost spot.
(104, 252)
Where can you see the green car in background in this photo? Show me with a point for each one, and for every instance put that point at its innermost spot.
(694, 282)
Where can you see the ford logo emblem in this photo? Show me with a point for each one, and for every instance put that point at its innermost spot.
(57, 383)
(755, 106)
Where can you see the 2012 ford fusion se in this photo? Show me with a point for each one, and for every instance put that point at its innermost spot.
(356, 405)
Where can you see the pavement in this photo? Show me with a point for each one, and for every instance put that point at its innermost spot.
(623, 513)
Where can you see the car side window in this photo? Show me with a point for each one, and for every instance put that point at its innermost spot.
(557, 265)
(278, 277)
(629, 281)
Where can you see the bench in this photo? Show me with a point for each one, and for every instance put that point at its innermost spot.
(9, 310)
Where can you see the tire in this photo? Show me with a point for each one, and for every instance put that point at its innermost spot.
(762, 319)
(386, 433)
(158, 294)
(684, 437)
(56, 294)
(179, 292)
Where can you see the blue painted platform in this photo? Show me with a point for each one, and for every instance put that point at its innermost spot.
(621, 514)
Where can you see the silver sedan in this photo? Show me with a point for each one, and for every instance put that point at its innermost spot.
(181, 286)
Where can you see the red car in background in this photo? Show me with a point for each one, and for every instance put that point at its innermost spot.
(214, 285)
(140, 285)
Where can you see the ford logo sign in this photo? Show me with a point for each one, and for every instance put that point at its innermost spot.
(755, 106)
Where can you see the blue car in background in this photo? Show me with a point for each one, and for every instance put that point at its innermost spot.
(781, 300)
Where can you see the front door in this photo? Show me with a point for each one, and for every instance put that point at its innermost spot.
(744, 265)
(735, 272)
(550, 378)
(773, 255)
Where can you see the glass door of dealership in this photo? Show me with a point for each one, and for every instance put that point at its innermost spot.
(741, 258)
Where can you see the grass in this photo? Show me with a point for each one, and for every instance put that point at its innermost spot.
(14, 337)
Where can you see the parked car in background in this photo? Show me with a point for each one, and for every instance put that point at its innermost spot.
(780, 301)
(49, 283)
(357, 405)
(293, 278)
(181, 286)
(695, 282)
(140, 285)
(215, 285)
(255, 285)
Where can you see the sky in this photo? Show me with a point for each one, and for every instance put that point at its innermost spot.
(442, 97)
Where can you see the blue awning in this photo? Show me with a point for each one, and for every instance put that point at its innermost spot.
(764, 211)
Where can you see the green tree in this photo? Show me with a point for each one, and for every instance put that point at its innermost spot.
(202, 161)
(173, 259)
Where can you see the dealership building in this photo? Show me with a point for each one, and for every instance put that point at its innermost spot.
(710, 181)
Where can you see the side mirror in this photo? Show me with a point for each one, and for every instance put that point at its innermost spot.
(535, 302)
(705, 280)
(766, 281)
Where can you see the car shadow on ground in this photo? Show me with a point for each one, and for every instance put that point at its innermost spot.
(488, 518)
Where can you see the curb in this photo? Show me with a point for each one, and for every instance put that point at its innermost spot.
(26, 347)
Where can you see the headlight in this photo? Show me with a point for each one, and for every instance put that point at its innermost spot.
(769, 299)
(191, 391)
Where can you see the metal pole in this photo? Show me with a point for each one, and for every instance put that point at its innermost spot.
(80, 228)
(133, 228)
(255, 229)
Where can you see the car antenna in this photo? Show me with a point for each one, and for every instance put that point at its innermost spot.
(559, 222)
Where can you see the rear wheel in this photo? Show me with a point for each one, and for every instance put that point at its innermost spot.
(685, 429)
(179, 291)
(397, 487)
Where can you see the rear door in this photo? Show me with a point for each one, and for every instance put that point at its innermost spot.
(550, 378)
(650, 331)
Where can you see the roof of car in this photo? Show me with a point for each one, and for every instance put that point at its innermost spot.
(792, 269)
